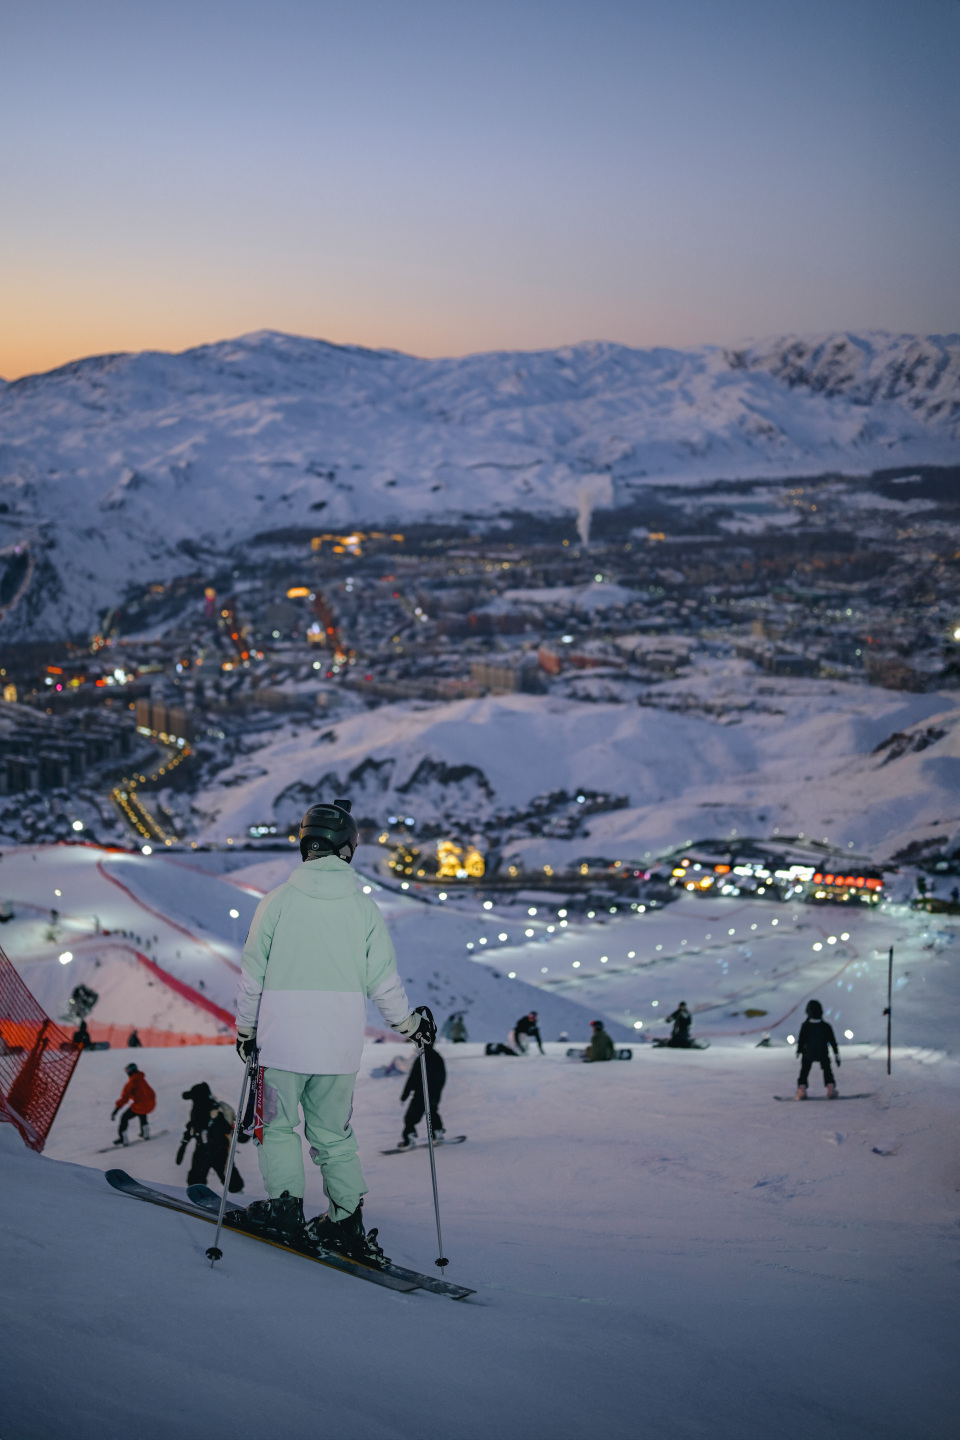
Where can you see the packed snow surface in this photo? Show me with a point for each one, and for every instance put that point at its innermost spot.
(115, 467)
(655, 1244)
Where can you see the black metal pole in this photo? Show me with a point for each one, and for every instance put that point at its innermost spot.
(441, 1259)
(215, 1253)
(889, 1009)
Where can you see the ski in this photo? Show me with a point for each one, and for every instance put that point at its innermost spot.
(137, 1140)
(694, 1045)
(866, 1095)
(125, 1183)
(209, 1202)
(422, 1145)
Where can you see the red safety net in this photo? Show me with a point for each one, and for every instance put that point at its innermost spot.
(36, 1060)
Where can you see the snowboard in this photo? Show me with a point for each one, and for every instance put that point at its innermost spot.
(694, 1045)
(137, 1140)
(392, 1277)
(865, 1095)
(209, 1202)
(624, 1053)
(424, 1145)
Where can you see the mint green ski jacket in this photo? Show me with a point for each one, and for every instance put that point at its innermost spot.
(317, 950)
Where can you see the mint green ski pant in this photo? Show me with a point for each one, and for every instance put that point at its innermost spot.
(327, 1102)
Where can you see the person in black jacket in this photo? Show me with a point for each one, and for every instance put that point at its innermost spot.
(526, 1029)
(682, 1020)
(212, 1130)
(814, 1043)
(436, 1079)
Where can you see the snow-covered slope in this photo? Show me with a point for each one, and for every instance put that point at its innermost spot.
(123, 467)
(801, 758)
(656, 1247)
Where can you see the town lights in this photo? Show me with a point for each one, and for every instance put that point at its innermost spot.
(78, 824)
(66, 957)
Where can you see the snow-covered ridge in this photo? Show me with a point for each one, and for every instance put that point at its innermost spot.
(124, 466)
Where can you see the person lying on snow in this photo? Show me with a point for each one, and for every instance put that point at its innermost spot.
(141, 1102)
(317, 950)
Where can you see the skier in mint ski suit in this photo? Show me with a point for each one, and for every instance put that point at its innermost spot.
(317, 950)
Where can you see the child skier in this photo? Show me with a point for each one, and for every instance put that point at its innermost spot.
(436, 1079)
(211, 1125)
(814, 1043)
(142, 1102)
(317, 950)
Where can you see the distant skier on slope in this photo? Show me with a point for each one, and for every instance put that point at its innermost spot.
(211, 1125)
(141, 1100)
(682, 1020)
(317, 950)
(436, 1079)
(814, 1043)
(601, 1046)
(525, 1030)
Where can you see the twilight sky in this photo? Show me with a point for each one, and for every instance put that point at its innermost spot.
(443, 177)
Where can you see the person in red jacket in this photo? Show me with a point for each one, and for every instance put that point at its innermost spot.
(141, 1101)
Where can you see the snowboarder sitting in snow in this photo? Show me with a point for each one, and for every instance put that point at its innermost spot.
(211, 1125)
(525, 1030)
(682, 1020)
(81, 1036)
(141, 1102)
(814, 1043)
(436, 1079)
(601, 1046)
(317, 950)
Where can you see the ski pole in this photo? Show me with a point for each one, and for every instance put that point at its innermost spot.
(215, 1253)
(441, 1261)
(889, 1010)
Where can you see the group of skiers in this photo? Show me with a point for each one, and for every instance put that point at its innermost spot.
(318, 949)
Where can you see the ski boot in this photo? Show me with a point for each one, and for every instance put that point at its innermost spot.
(407, 1142)
(801, 1092)
(145, 1133)
(831, 1091)
(121, 1140)
(347, 1237)
(278, 1219)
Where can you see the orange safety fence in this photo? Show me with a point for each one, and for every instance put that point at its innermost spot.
(118, 1036)
(36, 1060)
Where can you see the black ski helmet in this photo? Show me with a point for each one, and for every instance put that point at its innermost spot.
(329, 830)
(814, 1010)
(130, 1069)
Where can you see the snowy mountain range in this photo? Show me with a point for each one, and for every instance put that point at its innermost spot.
(122, 468)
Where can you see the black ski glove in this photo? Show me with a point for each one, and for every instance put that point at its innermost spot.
(426, 1031)
(246, 1042)
(838, 1061)
(113, 1114)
